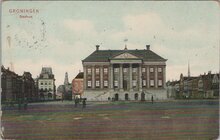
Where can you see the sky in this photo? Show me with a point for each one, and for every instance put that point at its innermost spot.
(61, 34)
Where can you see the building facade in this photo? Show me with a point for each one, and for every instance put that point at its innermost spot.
(202, 86)
(124, 75)
(77, 85)
(46, 84)
(16, 86)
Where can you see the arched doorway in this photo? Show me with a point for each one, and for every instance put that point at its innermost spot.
(142, 96)
(136, 96)
(116, 97)
(126, 96)
(49, 95)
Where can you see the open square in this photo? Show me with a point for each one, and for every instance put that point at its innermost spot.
(177, 119)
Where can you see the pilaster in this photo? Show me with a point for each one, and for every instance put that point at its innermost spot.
(93, 77)
(155, 78)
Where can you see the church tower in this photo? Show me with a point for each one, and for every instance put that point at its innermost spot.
(66, 81)
(188, 70)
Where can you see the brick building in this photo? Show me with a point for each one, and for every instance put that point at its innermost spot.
(124, 75)
(77, 85)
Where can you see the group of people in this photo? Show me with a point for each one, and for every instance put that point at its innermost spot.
(78, 100)
(83, 100)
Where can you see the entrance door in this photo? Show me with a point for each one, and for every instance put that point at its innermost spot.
(136, 96)
(126, 96)
(142, 96)
(116, 97)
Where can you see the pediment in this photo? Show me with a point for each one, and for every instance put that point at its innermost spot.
(125, 56)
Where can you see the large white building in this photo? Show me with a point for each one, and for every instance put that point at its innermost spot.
(124, 75)
(46, 83)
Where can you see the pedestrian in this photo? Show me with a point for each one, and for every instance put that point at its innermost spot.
(62, 97)
(84, 103)
(152, 99)
(25, 103)
(19, 103)
(76, 102)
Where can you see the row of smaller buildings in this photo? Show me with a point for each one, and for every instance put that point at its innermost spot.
(202, 86)
(16, 87)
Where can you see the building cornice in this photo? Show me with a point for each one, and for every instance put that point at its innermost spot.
(95, 63)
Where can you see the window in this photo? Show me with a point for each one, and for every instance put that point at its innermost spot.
(89, 71)
(116, 69)
(105, 83)
(143, 70)
(115, 83)
(144, 83)
(105, 70)
(97, 70)
(89, 83)
(151, 69)
(134, 69)
(49, 83)
(134, 83)
(125, 69)
(159, 69)
(97, 83)
(45, 83)
(41, 83)
(50, 89)
(151, 83)
(159, 82)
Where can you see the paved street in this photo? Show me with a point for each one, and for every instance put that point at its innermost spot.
(193, 119)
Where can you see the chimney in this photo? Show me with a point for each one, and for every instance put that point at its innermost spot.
(97, 47)
(148, 47)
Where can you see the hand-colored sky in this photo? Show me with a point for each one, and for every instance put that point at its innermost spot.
(64, 33)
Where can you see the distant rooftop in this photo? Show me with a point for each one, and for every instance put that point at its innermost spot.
(46, 70)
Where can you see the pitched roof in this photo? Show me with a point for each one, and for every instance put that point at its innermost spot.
(47, 70)
(79, 75)
(105, 55)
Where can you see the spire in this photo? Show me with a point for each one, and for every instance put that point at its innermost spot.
(125, 47)
(188, 69)
(125, 40)
(66, 81)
